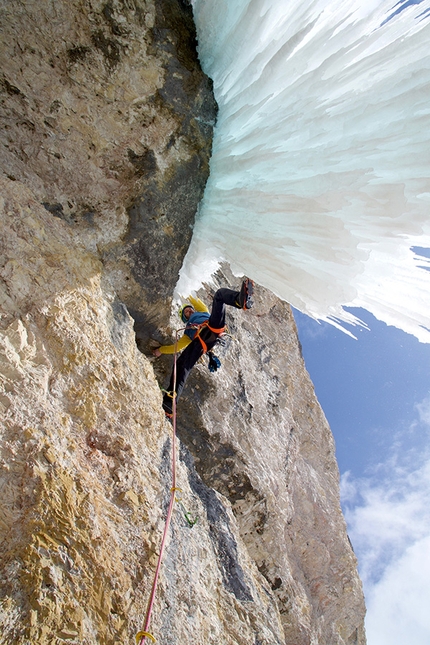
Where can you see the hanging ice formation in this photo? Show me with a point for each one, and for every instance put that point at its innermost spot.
(319, 185)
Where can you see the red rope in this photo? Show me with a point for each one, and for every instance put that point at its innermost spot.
(173, 489)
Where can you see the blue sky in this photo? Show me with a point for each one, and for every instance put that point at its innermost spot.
(375, 392)
(368, 388)
(403, 4)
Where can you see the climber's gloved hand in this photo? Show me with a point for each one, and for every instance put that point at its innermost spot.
(214, 363)
(154, 347)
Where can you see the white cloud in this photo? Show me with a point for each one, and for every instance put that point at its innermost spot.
(388, 516)
(398, 605)
(424, 411)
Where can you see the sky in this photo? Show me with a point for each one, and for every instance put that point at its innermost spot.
(375, 392)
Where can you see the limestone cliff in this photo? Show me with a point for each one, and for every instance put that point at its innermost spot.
(106, 135)
(259, 437)
(107, 116)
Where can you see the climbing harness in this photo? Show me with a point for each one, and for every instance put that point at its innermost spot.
(207, 334)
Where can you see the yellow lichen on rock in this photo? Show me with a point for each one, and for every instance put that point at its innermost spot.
(76, 393)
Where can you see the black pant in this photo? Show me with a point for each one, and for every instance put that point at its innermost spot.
(194, 350)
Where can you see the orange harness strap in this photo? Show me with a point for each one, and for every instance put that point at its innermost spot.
(218, 332)
(214, 329)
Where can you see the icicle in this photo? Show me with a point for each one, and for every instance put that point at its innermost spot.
(319, 183)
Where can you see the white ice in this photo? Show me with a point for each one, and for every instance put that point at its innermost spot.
(319, 184)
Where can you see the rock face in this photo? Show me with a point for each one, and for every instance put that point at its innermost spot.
(259, 437)
(106, 135)
(107, 116)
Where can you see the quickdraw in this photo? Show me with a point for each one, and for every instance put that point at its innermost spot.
(142, 635)
(187, 516)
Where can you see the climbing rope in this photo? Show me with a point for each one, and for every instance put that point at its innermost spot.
(144, 633)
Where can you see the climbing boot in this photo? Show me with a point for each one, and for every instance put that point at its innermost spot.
(168, 404)
(244, 300)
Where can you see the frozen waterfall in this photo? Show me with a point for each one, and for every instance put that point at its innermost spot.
(320, 175)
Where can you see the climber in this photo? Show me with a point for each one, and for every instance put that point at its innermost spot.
(201, 333)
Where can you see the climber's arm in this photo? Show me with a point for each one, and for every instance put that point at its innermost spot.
(178, 347)
(198, 304)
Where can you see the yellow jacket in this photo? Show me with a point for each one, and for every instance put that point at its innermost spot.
(184, 340)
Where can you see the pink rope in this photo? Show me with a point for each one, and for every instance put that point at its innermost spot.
(170, 509)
